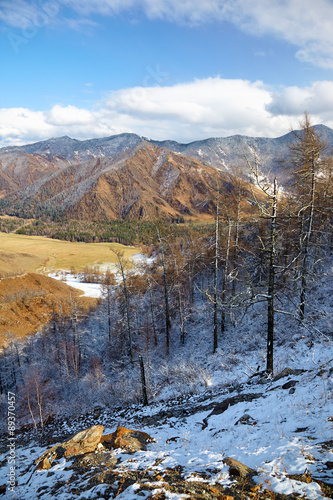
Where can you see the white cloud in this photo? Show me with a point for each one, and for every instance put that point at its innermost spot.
(225, 106)
(212, 107)
(307, 24)
(317, 100)
(68, 116)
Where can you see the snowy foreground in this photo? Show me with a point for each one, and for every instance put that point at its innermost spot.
(281, 428)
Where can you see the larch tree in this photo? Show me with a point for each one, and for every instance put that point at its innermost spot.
(307, 154)
(268, 210)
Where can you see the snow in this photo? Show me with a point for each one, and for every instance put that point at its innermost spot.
(286, 439)
(291, 430)
(89, 289)
(95, 289)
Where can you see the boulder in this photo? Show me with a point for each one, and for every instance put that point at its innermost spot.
(224, 405)
(237, 468)
(127, 439)
(287, 372)
(246, 419)
(84, 442)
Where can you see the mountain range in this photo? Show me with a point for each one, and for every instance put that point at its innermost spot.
(128, 176)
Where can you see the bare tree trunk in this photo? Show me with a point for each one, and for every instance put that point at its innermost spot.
(129, 331)
(225, 273)
(271, 285)
(216, 270)
(306, 246)
(143, 382)
(166, 297)
(109, 310)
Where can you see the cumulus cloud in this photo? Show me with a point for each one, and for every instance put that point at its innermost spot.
(20, 126)
(225, 106)
(211, 107)
(316, 99)
(306, 24)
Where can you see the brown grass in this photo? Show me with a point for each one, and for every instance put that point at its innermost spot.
(28, 302)
(21, 253)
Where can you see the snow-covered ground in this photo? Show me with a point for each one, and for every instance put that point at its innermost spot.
(286, 429)
(95, 289)
(280, 427)
(89, 289)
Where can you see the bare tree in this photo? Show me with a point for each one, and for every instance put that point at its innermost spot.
(268, 210)
(122, 264)
(306, 153)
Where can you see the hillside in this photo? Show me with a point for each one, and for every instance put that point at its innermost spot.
(19, 170)
(225, 153)
(30, 301)
(129, 177)
(143, 183)
(278, 429)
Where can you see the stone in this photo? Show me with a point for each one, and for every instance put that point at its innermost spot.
(128, 439)
(246, 419)
(290, 384)
(83, 442)
(237, 468)
(287, 372)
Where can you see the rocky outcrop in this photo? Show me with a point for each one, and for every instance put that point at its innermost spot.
(237, 468)
(84, 442)
(222, 407)
(91, 441)
(130, 440)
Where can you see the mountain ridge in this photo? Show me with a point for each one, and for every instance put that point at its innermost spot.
(227, 153)
(128, 176)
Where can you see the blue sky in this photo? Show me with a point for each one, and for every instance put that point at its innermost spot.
(164, 69)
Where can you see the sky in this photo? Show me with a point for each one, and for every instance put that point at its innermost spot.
(164, 69)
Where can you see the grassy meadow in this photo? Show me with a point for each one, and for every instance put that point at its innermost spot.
(21, 253)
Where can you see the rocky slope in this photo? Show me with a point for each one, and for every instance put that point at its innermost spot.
(144, 182)
(259, 439)
(223, 152)
(127, 176)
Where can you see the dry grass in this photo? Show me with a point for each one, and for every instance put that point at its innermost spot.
(28, 302)
(21, 253)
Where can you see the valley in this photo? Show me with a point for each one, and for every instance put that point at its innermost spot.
(24, 253)
(28, 297)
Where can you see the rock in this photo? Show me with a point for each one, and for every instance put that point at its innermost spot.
(84, 442)
(45, 464)
(289, 384)
(237, 468)
(104, 460)
(128, 439)
(222, 407)
(286, 373)
(246, 419)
